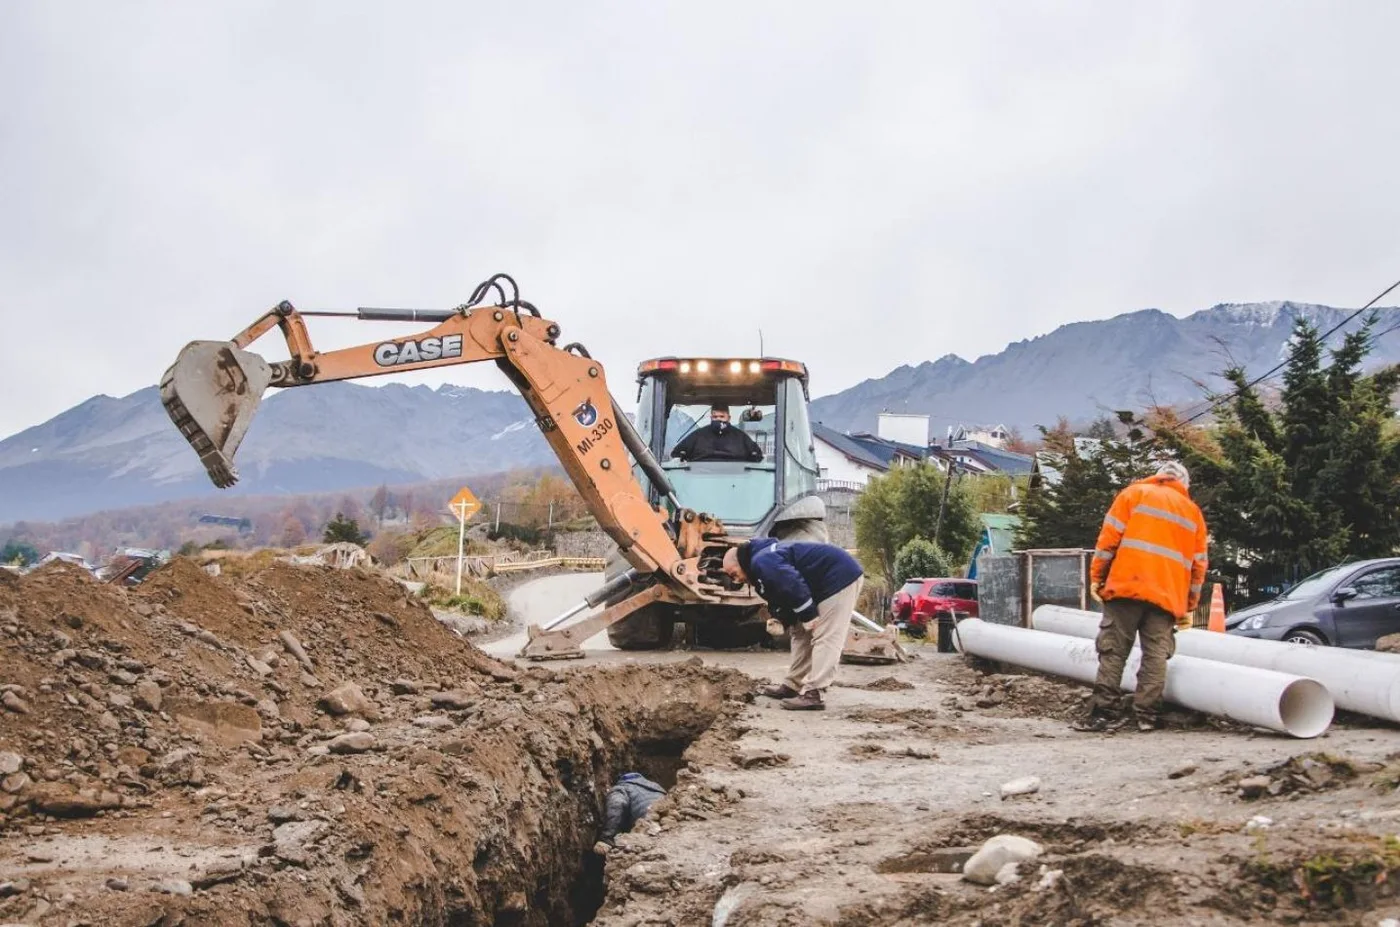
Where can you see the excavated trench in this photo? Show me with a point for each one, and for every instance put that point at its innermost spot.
(182, 765)
(652, 720)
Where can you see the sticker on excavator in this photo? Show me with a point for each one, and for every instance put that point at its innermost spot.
(398, 353)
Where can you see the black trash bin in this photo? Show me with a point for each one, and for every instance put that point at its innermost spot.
(946, 620)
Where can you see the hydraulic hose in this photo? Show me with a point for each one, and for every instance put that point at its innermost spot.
(639, 450)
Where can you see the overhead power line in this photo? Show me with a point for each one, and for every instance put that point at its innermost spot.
(1217, 403)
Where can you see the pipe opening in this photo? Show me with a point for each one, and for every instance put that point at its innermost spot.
(1305, 708)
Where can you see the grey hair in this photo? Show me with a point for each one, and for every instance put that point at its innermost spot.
(1176, 471)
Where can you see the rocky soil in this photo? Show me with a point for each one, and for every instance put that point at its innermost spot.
(306, 746)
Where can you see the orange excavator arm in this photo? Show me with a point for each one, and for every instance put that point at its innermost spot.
(212, 391)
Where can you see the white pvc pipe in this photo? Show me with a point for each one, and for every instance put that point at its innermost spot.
(1369, 685)
(1289, 704)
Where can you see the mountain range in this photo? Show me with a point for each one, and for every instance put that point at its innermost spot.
(115, 452)
(1086, 369)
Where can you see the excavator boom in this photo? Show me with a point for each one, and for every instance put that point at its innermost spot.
(213, 389)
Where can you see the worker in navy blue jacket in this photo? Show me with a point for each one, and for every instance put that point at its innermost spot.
(812, 589)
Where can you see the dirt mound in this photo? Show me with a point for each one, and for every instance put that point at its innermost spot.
(184, 588)
(1317, 882)
(304, 744)
(1012, 695)
(1306, 772)
(883, 684)
(1092, 889)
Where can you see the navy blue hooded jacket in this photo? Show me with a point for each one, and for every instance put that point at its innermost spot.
(793, 576)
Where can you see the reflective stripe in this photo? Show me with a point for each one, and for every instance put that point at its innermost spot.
(804, 606)
(1103, 555)
(1195, 588)
(1150, 548)
(1163, 514)
(1114, 523)
(1200, 558)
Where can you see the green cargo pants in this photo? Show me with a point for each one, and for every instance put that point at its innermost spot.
(1124, 620)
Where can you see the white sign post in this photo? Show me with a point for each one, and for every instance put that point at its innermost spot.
(464, 505)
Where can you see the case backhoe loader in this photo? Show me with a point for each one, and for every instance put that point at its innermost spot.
(673, 553)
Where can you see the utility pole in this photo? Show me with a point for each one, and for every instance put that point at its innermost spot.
(498, 518)
(943, 504)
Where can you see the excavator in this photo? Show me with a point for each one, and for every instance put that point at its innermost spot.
(672, 553)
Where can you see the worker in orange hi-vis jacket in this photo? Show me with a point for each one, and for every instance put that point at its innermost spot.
(1149, 566)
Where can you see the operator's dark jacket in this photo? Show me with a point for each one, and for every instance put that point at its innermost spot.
(709, 443)
(794, 576)
(627, 802)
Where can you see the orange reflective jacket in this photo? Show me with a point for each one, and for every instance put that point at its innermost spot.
(1153, 547)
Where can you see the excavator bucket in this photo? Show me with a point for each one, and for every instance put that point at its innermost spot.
(870, 647)
(211, 393)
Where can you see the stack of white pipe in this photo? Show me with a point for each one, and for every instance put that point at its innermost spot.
(1290, 704)
(1358, 680)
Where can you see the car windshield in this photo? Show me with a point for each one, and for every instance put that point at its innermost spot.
(911, 588)
(1314, 584)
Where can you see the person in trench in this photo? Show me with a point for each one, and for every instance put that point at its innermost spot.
(627, 803)
(812, 590)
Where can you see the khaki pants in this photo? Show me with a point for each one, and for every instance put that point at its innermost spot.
(1124, 620)
(817, 645)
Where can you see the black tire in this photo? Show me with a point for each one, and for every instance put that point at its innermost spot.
(1304, 637)
(730, 629)
(648, 629)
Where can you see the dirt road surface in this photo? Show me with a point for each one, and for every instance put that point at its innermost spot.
(169, 756)
(844, 813)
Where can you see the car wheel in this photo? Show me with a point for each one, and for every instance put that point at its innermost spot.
(1304, 637)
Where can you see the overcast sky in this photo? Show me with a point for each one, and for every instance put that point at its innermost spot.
(871, 184)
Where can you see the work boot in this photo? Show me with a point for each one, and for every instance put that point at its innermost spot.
(807, 701)
(780, 691)
(1146, 721)
(1099, 721)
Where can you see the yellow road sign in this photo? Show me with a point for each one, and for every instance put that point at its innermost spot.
(465, 504)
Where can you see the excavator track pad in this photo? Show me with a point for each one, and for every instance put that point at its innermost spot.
(211, 393)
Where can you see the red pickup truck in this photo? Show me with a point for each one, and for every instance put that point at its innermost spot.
(918, 600)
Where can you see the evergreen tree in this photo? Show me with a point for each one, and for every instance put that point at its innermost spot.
(1302, 482)
(18, 553)
(1069, 513)
(340, 529)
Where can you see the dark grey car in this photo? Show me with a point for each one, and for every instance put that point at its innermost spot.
(1352, 605)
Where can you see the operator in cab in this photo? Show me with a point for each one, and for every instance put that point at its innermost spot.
(719, 440)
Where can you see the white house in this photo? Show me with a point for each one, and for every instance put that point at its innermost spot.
(850, 460)
(994, 435)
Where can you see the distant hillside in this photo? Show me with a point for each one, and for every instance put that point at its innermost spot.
(113, 453)
(1078, 370)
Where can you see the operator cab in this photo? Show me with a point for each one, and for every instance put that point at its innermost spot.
(767, 401)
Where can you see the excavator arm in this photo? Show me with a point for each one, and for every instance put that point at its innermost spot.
(213, 389)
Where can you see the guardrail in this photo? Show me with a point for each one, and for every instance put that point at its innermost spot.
(497, 564)
(840, 486)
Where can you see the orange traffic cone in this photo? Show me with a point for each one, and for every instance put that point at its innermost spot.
(1217, 609)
